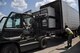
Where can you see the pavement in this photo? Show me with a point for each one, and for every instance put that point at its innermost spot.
(57, 45)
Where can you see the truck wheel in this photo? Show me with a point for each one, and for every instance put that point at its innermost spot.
(10, 49)
(43, 43)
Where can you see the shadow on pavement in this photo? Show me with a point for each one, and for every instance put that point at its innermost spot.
(51, 43)
(74, 49)
(55, 41)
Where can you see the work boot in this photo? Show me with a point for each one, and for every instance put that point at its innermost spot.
(66, 46)
(70, 45)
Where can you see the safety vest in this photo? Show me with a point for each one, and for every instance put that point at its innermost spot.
(69, 31)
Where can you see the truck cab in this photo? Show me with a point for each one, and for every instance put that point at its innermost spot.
(19, 32)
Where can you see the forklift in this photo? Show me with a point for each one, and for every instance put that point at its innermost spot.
(20, 32)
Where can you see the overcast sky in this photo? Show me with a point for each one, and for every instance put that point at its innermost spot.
(6, 6)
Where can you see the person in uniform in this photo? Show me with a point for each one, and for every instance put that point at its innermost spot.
(70, 35)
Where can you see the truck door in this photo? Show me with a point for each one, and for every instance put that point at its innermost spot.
(28, 31)
(13, 27)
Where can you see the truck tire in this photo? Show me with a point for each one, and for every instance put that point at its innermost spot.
(43, 43)
(10, 48)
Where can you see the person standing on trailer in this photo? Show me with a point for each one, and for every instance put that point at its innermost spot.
(70, 35)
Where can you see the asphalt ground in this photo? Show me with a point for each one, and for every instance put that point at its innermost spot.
(57, 45)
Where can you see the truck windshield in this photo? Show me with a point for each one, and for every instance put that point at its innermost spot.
(2, 23)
